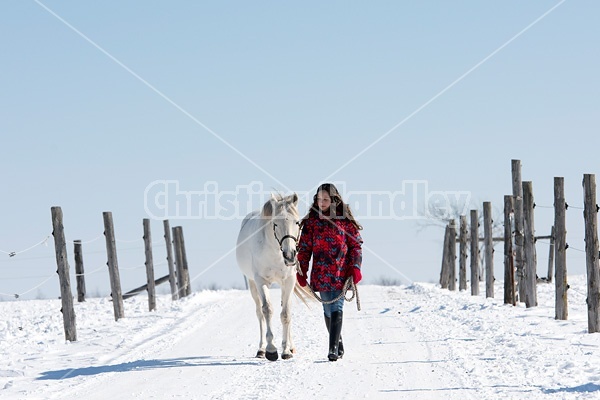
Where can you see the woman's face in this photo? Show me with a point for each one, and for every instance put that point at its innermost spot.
(323, 200)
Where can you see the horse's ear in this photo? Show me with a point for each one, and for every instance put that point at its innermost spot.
(267, 210)
(294, 199)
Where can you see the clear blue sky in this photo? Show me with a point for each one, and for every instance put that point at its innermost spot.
(100, 99)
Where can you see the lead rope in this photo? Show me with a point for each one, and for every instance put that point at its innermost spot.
(348, 285)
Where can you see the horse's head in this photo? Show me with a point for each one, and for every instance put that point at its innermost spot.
(283, 213)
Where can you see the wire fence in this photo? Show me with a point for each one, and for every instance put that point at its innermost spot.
(577, 241)
(520, 261)
(38, 281)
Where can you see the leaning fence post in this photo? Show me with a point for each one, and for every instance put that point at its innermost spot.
(452, 256)
(183, 278)
(488, 240)
(172, 274)
(474, 243)
(529, 247)
(79, 273)
(186, 271)
(113, 266)
(560, 249)
(149, 265)
(60, 247)
(443, 272)
(178, 263)
(590, 213)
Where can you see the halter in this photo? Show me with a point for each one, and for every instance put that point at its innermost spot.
(295, 239)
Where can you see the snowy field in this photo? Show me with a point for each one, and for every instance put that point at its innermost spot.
(416, 342)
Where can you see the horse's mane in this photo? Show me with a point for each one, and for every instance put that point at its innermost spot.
(282, 203)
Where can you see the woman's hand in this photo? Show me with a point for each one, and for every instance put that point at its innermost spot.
(301, 279)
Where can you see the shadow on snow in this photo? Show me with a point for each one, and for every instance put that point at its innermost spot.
(144, 365)
(588, 387)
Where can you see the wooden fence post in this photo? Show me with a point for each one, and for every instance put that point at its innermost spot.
(489, 249)
(509, 268)
(186, 271)
(560, 249)
(181, 262)
(149, 265)
(590, 213)
(113, 266)
(517, 187)
(178, 262)
(79, 273)
(452, 256)
(444, 274)
(60, 247)
(529, 247)
(140, 289)
(172, 274)
(462, 263)
(474, 243)
(551, 257)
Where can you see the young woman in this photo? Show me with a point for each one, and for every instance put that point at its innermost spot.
(330, 235)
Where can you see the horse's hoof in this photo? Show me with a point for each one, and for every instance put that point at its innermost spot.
(272, 356)
(260, 354)
(287, 356)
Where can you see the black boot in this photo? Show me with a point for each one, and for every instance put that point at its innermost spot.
(341, 345)
(335, 331)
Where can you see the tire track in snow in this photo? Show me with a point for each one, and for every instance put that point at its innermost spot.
(155, 355)
(421, 370)
(210, 355)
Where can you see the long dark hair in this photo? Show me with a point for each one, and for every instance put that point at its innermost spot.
(338, 208)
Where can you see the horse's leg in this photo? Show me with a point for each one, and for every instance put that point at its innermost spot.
(286, 317)
(267, 310)
(261, 318)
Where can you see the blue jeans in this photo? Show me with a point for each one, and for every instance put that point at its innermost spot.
(337, 306)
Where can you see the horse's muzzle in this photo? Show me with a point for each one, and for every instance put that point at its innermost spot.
(289, 258)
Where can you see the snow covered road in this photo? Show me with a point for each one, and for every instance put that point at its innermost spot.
(417, 342)
(213, 357)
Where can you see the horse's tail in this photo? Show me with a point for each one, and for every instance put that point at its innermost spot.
(304, 294)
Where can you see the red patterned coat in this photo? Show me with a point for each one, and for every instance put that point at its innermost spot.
(335, 247)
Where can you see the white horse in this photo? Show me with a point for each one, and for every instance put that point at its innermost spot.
(266, 254)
